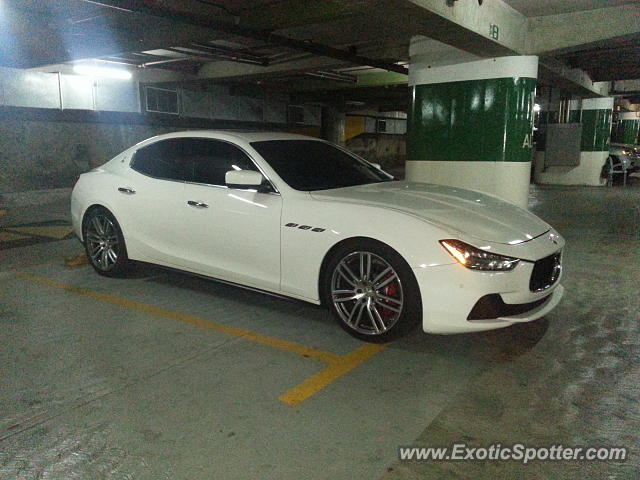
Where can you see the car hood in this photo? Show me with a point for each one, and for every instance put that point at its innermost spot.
(471, 213)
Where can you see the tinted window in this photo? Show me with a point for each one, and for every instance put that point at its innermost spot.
(197, 160)
(162, 159)
(213, 159)
(312, 165)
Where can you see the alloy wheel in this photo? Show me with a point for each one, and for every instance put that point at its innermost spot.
(102, 242)
(367, 293)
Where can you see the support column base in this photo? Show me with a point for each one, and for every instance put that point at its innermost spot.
(506, 180)
(587, 173)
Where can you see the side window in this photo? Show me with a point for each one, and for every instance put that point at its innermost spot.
(163, 159)
(212, 159)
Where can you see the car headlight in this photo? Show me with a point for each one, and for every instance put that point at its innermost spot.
(476, 259)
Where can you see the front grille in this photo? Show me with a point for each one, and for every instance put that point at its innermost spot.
(545, 272)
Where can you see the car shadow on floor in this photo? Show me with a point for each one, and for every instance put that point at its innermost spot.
(225, 292)
(494, 346)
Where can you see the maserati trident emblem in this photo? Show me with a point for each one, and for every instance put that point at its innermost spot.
(554, 238)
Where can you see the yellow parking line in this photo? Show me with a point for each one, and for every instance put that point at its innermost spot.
(314, 384)
(193, 320)
(3, 212)
(339, 365)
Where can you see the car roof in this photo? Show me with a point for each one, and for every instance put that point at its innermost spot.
(231, 135)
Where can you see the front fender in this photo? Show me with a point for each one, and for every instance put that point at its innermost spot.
(310, 228)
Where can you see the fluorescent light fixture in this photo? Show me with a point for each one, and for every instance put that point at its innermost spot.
(105, 72)
(536, 107)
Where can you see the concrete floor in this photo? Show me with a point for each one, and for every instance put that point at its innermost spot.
(165, 376)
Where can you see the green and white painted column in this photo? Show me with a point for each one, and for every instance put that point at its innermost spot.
(595, 116)
(627, 128)
(470, 125)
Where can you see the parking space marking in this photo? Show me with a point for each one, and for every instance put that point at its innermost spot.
(10, 237)
(314, 384)
(191, 319)
(339, 365)
(48, 231)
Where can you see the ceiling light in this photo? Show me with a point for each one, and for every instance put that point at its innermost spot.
(105, 72)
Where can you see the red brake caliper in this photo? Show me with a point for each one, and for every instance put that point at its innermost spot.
(389, 290)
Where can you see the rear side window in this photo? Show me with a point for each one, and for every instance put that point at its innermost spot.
(212, 159)
(198, 160)
(163, 159)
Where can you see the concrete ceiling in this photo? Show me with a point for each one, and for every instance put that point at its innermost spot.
(285, 42)
(615, 59)
(537, 8)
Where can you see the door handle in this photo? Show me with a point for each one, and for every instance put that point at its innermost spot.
(126, 190)
(193, 203)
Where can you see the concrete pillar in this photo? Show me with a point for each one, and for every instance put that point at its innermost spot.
(627, 128)
(470, 125)
(549, 100)
(332, 126)
(595, 116)
(575, 110)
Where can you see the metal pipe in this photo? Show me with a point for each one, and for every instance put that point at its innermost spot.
(173, 60)
(211, 56)
(229, 51)
(337, 77)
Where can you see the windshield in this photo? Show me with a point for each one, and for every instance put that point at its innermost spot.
(313, 165)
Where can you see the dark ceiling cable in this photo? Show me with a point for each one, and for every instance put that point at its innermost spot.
(217, 5)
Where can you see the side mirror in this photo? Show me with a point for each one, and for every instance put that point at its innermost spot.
(243, 179)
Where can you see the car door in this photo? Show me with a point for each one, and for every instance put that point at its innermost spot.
(232, 234)
(151, 202)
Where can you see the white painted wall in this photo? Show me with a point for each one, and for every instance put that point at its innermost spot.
(506, 180)
(68, 91)
(587, 173)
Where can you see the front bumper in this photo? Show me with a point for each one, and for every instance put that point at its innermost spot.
(450, 292)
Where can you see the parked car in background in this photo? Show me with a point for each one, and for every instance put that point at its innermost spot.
(623, 160)
(625, 156)
(301, 217)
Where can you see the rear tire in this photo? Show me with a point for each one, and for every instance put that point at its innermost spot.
(372, 291)
(104, 243)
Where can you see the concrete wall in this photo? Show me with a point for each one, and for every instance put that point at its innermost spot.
(389, 150)
(40, 149)
(54, 126)
(44, 154)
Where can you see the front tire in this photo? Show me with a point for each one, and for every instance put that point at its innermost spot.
(104, 243)
(372, 291)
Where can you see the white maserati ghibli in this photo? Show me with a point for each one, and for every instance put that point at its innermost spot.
(304, 218)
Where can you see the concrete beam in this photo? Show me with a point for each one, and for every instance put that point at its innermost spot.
(572, 80)
(482, 20)
(626, 87)
(475, 21)
(555, 34)
(231, 70)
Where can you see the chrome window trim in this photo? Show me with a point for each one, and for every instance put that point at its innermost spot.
(251, 159)
(339, 147)
(226, 187)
